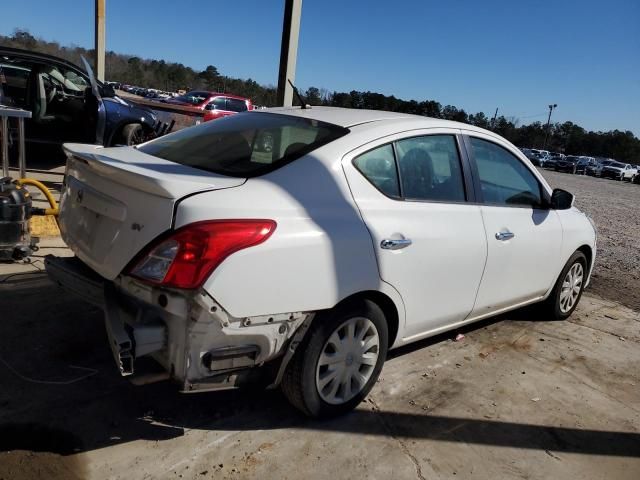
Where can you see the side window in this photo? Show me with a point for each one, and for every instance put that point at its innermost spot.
(379, 167)
(504, 179)
(219, 103)
(430, 168)
(236, 105)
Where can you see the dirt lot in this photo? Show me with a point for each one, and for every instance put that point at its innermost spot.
(615, 207)
(519, 397)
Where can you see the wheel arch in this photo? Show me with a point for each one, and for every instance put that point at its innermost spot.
(588, 252)
(116, 131)
(386, 304)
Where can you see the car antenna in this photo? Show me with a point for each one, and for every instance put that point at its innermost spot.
(303, 104)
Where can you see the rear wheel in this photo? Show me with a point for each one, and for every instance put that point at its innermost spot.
(339, 361)
(568, 289)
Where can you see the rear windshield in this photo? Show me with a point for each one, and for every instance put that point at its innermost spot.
(244, 145)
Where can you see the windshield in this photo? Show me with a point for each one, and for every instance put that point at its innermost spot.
(193, 98)
(244, 145)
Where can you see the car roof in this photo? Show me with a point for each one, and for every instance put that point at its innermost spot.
(37, 56)
(350, 117)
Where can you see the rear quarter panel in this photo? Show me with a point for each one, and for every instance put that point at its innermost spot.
(320, 252)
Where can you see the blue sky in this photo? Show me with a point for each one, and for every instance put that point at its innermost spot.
(518, 56)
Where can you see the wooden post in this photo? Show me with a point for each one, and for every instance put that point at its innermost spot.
(100, 39)
(289, 51)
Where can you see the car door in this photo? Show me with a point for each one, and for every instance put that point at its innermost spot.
(215, 109)
(429, 240)
(524, 239)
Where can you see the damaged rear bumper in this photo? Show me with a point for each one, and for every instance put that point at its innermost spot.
(196, 342)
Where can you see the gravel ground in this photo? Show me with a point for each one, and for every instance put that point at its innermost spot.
(614, 206)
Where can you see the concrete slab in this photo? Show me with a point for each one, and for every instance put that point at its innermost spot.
(518, 397)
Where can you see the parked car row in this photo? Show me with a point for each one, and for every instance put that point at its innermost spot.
(583, 164)
(151, 93)
(540, 158)
(214, 104)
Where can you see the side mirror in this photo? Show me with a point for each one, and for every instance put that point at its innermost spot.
(561, 199)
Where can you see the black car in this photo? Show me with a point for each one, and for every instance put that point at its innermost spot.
(567, 164)
(584, 163)
(68, 104)
(553, 160)
(535, 159)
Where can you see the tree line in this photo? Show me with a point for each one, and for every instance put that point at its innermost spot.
(566, 137)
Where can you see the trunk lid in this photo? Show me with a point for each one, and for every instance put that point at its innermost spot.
(115, 201)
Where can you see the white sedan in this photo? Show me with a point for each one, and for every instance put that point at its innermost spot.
(306, 243)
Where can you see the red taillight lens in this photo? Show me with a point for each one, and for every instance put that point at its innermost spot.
(187, 257)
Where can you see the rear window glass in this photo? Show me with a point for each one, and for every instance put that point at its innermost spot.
(244, 145)
(236, 105)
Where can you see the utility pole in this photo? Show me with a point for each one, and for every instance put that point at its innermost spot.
(546, 136)
(493, 120)
(100, 39)
(288, 51)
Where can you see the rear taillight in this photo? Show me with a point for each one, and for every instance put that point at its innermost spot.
(188, 256)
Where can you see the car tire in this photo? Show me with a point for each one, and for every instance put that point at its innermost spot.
(316, 385)
(132, 134)
(564, 299)
(575, 170)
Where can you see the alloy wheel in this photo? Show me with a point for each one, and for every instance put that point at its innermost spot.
(571, 287)
(347, 361)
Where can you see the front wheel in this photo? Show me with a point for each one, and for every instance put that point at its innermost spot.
(568, 289)
(132, 134)
(339, 361)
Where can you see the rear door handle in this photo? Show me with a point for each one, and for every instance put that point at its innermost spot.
(504, 235)
(394, 244)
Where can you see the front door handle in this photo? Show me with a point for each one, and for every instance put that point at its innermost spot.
(504, 235)
(394, 244)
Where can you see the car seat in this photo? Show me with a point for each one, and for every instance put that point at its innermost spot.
(36, 98)
(417, 173)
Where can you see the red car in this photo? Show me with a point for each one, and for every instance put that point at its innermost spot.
(215, 105)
